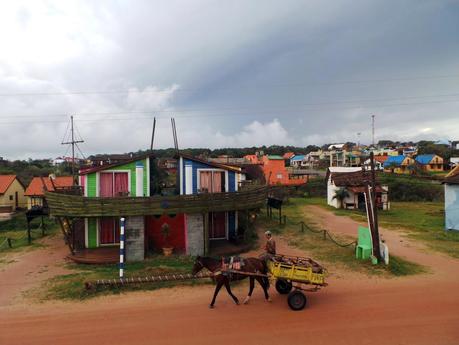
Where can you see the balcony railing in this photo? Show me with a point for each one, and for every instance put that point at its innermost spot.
(68, 205)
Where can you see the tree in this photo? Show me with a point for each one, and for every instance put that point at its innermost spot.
(340, 195)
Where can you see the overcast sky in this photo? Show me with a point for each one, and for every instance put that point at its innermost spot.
(232, 73)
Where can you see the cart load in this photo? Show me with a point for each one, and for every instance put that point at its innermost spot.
(296, 273)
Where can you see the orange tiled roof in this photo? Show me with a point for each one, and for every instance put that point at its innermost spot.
(35, 187)
(381, 159)
(5, 182)
(288, 155)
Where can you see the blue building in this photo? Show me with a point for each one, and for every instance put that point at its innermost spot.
(197, 176)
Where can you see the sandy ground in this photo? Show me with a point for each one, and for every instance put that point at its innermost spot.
(353, 309)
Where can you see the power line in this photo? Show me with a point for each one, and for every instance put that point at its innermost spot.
(254, 108)
(251, 113)
(264, 85)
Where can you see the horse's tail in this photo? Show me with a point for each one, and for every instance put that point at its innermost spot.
(265, 271)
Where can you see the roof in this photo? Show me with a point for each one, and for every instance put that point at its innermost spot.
(5, 182)
(343, 169)
(35, 187)
(380, 159)
(275, 157)
(288, 155)
(109, 166)
(213, 164)
(352, 179)
(336, 146)
(297, 158)
(424, 159)
(452, 177)
(394, 161)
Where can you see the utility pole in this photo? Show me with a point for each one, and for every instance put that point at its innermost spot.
(373, 129)
(153, 134)
(73, 142)
(375, 228)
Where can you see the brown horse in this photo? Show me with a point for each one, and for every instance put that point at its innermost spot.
(251, 265)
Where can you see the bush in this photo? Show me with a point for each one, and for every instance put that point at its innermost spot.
(314, 188)
(412, 189)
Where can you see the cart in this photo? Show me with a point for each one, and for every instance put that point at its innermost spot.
(293, 275)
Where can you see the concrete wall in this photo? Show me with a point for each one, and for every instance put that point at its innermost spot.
(451, 207)
(135, 238)
(195, 234)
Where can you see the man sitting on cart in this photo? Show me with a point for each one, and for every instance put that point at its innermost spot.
(270, 247)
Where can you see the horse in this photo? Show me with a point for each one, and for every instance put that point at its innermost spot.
(251, 265)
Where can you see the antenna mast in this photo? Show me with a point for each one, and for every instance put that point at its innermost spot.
(73, 142)
(373, 129)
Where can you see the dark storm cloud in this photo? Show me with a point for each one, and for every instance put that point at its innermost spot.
(232, 74)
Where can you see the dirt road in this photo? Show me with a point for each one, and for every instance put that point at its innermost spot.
(361, 310)
(29, 268)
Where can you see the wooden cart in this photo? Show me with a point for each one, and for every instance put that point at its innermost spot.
(293, 275)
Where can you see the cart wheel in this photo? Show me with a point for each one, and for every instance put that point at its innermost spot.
(296, 300)
(283, 286)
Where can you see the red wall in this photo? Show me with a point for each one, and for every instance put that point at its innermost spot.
(273, 167)
(154, 238)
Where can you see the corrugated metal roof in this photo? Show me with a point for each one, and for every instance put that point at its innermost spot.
(394, 161)
(297, 158)
(424, 159)
(273, 157)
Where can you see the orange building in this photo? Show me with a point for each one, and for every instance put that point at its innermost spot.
(276, 173)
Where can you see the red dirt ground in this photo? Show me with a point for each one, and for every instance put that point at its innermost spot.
(353, 309)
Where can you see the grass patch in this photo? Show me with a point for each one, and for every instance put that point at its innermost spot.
(16, 229)
(71, 286)
(326, 250)
(421, 220)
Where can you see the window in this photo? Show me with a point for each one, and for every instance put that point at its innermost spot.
(211, 181)
(113, 184)
(109, 232)
(11, 197)
(279, 176)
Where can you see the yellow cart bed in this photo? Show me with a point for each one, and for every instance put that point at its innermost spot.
(298, 274)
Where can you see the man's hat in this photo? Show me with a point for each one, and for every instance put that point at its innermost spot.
(268, 233)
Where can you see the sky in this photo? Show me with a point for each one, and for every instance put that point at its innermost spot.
(231, 73)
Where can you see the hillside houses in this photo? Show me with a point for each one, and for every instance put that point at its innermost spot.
(11, 194)
(430, 163)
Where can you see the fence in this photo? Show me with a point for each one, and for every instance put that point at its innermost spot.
(325, 233)
(9, 241)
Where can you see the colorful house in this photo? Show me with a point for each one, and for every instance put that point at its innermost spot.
(11, 194)
(354, 181)
(298, 161)
(35, 191)
(398, 164)
(276, 173)
(451, 183)
(430, 162)
(206, 207)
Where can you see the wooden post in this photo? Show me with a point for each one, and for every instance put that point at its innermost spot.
(42, 227)
(29, 236)
(206, 233)
(9, 242)
(280, 215)
(376, 249)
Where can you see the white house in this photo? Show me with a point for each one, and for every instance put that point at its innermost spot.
(332, 188)
(353, 179)
(451, 183)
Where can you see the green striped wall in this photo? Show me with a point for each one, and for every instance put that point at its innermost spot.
(91, 178)
(92, 232)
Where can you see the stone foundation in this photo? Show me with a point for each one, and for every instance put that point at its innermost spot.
(195, 234)
(135, 239)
